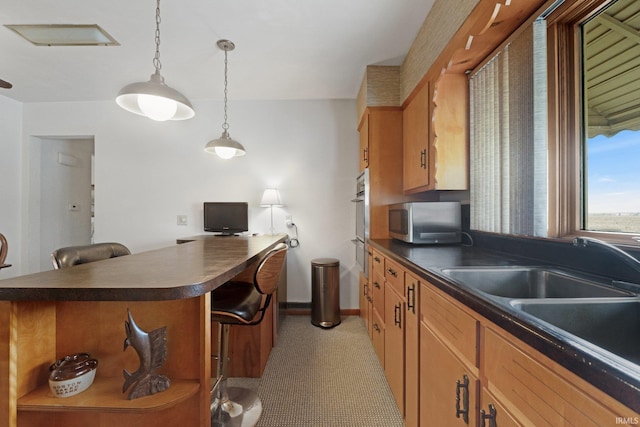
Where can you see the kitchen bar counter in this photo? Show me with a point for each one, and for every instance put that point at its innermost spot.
(48, 315)
(621, 383)
(175, 272)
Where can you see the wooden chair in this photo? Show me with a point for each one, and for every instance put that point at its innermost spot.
(241, 303)
(74, 255)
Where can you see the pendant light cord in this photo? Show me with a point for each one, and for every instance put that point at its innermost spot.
(156, 58)
(225, 125)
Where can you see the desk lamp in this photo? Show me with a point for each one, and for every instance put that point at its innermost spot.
(271, 198)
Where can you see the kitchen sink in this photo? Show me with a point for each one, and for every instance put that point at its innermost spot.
(531, 282)
(611, 324)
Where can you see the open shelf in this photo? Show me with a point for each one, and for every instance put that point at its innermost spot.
(105, 395)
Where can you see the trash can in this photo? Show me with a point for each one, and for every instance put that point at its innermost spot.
(325, 292)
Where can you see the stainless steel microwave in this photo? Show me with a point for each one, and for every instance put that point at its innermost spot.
(426, 222)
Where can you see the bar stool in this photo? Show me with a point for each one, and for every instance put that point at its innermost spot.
(4, 250)
(74, 255)
(241, 303)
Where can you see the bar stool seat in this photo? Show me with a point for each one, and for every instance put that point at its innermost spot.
(241, 303)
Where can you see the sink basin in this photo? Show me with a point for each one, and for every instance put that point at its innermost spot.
(530, 282)
(611, 324)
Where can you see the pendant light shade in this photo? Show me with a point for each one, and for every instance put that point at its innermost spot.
(225, 147)
(154, 99)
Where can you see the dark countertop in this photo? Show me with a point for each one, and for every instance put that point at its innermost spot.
(620, 382)
(180, 271)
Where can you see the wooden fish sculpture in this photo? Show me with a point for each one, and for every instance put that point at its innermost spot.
(152, 351)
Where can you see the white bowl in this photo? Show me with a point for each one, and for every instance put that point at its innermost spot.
(72, 375)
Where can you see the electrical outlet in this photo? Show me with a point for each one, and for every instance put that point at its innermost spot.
(288, 221)
(182, 220)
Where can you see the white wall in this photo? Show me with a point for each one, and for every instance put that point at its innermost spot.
(10, 196)
(147, 173)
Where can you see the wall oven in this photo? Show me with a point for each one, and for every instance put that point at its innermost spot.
(362, 221)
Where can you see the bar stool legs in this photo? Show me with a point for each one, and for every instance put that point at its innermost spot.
(231, 406)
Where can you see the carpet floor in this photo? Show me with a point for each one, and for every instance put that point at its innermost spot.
(323, 377)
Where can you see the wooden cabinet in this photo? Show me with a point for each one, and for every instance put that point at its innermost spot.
(436, 136)
(365, 303)
(448, 361)
(448, 388)
(411, 351)
(509, 383)
(416, 126)
(394, 344)
(381, 151)
(540, 392)
(364, 142)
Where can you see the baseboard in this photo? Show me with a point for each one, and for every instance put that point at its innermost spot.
(304, 309)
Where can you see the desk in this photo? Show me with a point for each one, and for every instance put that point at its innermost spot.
(46, 315)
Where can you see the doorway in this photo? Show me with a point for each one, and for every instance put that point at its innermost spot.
(60, 196)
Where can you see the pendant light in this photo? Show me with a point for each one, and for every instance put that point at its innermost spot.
(225, 147)
(154, 99)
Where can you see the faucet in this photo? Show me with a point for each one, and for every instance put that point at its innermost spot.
(583, 242)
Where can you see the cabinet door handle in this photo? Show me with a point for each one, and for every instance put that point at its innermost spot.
(376, 259)
(464, 411)
(397, 315)
(411, 298)
(365, 289)
(376, 284)
(376, 327)
(491, 416)
(423, 158)
(365, 155)
(392, 272)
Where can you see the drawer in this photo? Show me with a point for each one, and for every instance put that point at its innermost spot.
(541, 395)
(377, 293)
(394, 275)
(455, 326)
(378, 263)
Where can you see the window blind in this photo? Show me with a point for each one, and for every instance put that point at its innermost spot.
(509, 138)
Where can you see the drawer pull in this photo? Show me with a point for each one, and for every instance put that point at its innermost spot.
(397, 315)
(411, 298)
(376, 259)
(376, 284)
(491, 416)
(392, 272)
(464, 411)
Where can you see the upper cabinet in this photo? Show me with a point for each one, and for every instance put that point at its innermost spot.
(364, 142)
(436, 137)
(381, 145)
(416, 136)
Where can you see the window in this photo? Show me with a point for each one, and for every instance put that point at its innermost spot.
(610, 58)
(594, 125)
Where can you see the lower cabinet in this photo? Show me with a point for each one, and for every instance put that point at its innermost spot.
(448, 389)
(394, 344)
(411, 352)
(446, 365)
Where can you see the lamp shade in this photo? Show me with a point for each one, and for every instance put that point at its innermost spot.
(225, 147)
(155, 100)
(271, 197)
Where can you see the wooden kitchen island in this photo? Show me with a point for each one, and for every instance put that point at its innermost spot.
(48, 315)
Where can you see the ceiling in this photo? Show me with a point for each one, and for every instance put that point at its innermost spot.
(285, 49)
(612, 69)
